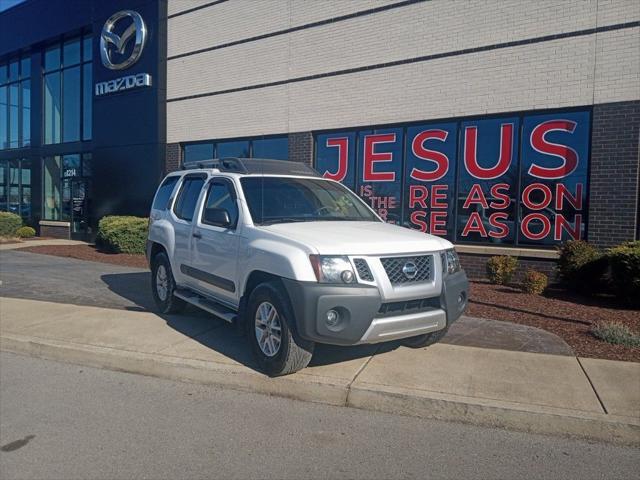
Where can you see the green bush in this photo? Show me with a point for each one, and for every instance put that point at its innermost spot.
(500, 270)
(625, 271)
(616, 333)
(581, 266)
(9, 224)
(26, 232)
(534, 282)
(122, 234)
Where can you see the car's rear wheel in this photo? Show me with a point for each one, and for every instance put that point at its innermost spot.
(269, 319)
(163, 286)
(425, 340)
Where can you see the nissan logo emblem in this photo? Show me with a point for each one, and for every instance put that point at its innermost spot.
(410, 270)
(112, 43)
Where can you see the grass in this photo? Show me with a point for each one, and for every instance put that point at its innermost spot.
(616, 333)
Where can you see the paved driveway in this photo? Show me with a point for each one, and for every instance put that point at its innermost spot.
(66, 280)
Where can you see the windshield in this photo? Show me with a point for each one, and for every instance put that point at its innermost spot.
(285, 199)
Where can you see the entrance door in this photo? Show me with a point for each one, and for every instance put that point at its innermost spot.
(76, 202)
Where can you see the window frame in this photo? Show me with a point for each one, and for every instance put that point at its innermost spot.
(185, 179)
(20, 60)
(172, 195)
(61, 69)
(216, 142)
(223, 181)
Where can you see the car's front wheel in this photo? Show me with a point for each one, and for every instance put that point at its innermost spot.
(277, 348)
(163, 285)
(425, 340)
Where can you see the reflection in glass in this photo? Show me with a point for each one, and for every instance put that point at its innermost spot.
(87, 102)
(25, 67)
(233, 149)
(71, 105)
(26, 112)
(51, 190)
(13, 70)
(3, 118)
(277, 148)
(199, 151)
(87, 52)
(52, 108)
(52, 58)
(13, 114)
(71, 52)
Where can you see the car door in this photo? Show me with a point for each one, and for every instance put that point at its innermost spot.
(215, 247)
(183, 214)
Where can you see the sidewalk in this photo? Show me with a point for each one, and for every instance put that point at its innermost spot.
(553, 394)
(39, 243)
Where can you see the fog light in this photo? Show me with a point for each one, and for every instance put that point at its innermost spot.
(347, 276)
(462, 298)
(332, 318)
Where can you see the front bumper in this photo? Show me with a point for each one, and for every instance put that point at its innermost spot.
(364, 318)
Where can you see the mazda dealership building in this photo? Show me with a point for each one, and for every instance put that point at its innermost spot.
(504, 126)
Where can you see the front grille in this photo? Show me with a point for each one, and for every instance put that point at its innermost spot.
(394, 267)
(363, 269)
(393, 309)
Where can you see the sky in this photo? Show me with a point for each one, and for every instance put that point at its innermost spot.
(5, 4)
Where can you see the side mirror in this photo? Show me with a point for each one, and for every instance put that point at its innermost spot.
(218, 217)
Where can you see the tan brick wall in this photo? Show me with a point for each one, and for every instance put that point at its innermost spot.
(580, 70)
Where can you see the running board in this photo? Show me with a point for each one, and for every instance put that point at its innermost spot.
(207, 305)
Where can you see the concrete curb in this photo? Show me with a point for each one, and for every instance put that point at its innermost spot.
(417, 403)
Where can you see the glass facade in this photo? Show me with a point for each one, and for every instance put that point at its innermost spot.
(68, 96)
(270, 147)
(15, 187)
(15, 102)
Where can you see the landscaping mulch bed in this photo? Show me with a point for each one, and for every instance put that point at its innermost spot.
(568, 315)
(90, 253)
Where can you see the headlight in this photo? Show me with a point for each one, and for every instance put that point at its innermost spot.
(332, 269)
(450, 262)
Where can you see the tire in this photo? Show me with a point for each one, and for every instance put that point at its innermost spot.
(164, 298)
(425, 340)
(291, 353)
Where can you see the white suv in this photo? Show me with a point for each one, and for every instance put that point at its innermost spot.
(297, 259)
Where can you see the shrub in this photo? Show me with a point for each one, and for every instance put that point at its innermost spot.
(122, 234)
(625, 271)
(534, 282)
(581, 266)
(616, 333)
(9, 224)
(500, 270)
(26, 232)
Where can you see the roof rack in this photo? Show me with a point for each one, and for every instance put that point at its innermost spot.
(253, 166)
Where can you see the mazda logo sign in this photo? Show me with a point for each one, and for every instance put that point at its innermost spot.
(114, 45)
(410, 270)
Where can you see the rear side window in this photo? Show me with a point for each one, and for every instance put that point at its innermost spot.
(161, 201)
(188, 198)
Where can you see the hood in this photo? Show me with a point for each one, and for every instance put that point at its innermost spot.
(359, 238)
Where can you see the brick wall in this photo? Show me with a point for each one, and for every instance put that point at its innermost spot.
(615, 165)
(301, 147)
(475, 266)
(173, 157)
(55, 231)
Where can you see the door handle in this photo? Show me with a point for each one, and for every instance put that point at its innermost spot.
(197, 234)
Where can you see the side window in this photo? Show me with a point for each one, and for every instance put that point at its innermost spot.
(221, 194)
(164, 193)
(188, 198)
